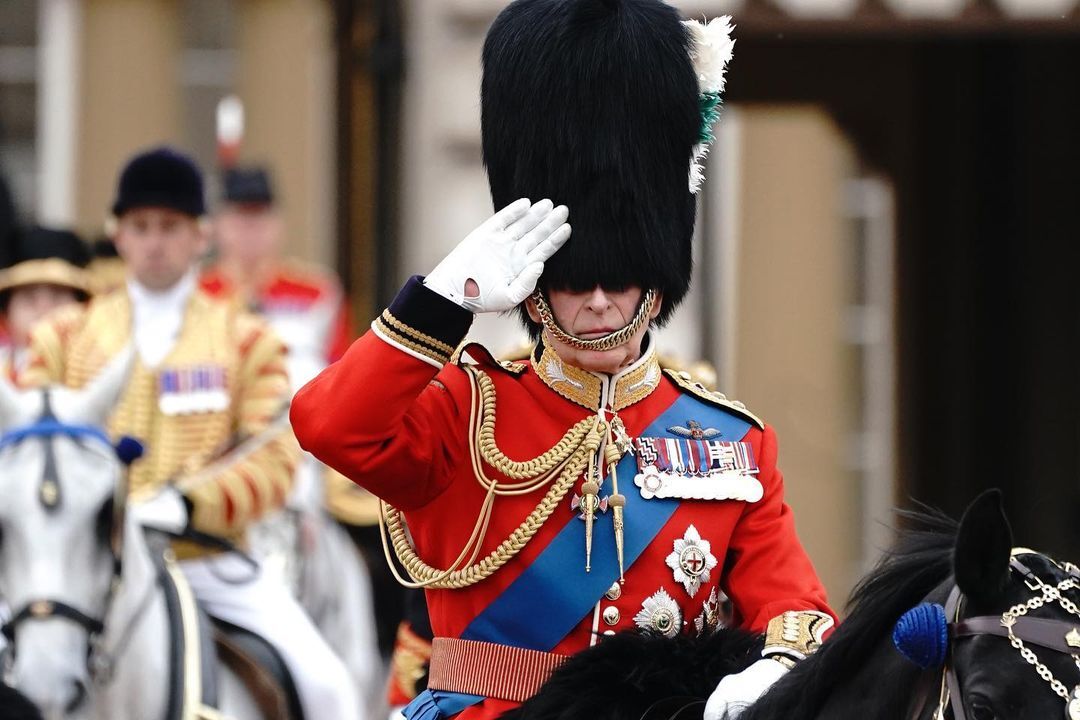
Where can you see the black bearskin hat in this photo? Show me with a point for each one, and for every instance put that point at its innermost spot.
(162, 177)
(595, 105)
(248, 186)
(47, 256)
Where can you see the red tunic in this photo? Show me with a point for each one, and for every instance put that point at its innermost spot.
(391, 416)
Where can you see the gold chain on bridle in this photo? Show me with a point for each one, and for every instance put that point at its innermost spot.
(560, 467)
(600, 344)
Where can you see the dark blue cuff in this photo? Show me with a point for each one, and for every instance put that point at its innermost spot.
(423, 321)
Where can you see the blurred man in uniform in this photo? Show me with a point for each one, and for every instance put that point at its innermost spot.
(206, 396)
(48, 273)
(545, 505)
(302, 302)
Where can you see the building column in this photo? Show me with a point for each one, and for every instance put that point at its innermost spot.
(791, 362)
(285, 79)
(129, 94)
(60, 25)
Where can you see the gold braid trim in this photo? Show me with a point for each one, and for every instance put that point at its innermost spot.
(408, 342)
(389, 318)
(796, 633)
(567, 459)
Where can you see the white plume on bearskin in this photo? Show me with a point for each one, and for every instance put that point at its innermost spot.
(711, 49)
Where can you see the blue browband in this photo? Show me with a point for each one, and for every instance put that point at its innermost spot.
(127, 449)
(48, 427)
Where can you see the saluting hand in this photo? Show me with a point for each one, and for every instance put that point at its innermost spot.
(503, 258)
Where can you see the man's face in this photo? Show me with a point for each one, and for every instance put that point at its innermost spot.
(28, 304)
(159, 245)
(247, 234)
(593, 314)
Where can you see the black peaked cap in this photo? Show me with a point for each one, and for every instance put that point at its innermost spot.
(251, 186)
(161, 177)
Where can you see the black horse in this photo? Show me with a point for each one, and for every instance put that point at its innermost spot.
(971, 575)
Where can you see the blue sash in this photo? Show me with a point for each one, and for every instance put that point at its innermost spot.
(552, 595)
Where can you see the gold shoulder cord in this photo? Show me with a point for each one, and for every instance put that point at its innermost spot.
(566, 461)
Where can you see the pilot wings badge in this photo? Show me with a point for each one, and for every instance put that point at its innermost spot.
(694, 431)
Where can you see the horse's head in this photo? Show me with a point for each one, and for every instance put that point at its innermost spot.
(1007, 637)
(61, 518)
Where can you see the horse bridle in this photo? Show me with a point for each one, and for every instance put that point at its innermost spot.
(1056, 635)
(99, 664)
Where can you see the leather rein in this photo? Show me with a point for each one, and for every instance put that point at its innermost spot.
(1059, 636)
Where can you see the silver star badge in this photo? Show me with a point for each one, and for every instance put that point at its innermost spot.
(692, 561)
(660, 614)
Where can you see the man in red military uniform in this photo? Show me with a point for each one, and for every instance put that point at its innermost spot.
(587, 491)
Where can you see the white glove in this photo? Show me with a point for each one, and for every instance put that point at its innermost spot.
(737, 692)
(165, 511)
(504, 257)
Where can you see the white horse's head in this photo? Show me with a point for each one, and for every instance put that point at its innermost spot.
(61, 503)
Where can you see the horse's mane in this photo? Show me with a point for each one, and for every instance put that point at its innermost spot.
(920, 561)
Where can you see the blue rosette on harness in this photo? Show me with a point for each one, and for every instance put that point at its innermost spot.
(922, 635)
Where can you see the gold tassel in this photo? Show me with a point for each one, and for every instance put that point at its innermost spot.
(618, 445)
(617, 501)
(589, 502)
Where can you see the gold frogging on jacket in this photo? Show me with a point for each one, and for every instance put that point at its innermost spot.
(77, 342)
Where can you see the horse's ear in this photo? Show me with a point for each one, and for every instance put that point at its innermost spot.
(983, 548)
(94, 403)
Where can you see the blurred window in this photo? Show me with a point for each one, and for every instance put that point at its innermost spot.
(871, 340)
(208, 73)
(18, 98)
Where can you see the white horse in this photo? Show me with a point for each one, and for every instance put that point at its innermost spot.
(89, 632)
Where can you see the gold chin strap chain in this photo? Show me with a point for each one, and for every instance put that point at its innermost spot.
(563, 463)
(600, 344)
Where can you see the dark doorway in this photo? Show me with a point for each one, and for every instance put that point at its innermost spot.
(976, 127)
(370, 65)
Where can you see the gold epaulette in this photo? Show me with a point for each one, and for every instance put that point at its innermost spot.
(686, 383)
(481, 356)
